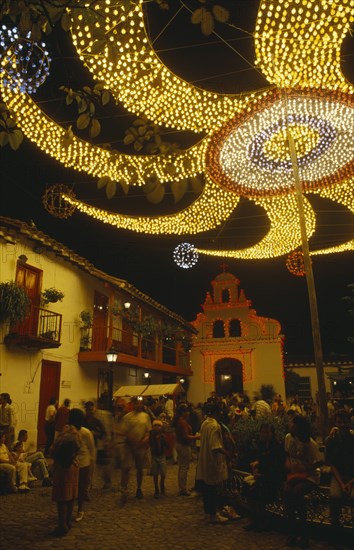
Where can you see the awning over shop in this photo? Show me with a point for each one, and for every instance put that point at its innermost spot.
(130, 391)
(163, 389)
(151, 390)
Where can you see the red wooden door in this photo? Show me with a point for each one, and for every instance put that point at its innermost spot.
(30, 278)
(50, 383)
(100, 322)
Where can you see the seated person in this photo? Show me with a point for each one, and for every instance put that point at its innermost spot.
(268, 475)
(340, 457)
(13, 469)
(32, 457)
(18, 455)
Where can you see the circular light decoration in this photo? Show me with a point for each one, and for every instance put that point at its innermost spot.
(185, 255)
(54, 202)
(250, 154)
(24, 63)
(295, 263)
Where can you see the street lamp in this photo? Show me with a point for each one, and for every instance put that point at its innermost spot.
(126, 305)
(147, 377)
(111, 355)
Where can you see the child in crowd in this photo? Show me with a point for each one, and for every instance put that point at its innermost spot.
(158, 446)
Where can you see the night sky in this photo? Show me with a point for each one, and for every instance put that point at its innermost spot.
(147, 261)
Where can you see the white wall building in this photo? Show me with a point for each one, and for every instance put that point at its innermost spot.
(235, 349)
(52, 354)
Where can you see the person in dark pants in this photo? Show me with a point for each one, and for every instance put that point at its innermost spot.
(212, 466)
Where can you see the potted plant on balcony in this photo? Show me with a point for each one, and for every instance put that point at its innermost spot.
(52, 295)
(86, 318)
(14, 303)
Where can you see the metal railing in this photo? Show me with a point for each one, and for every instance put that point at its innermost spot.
(41, 323)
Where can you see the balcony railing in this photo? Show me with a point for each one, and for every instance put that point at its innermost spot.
(41, 329)
(127, 342)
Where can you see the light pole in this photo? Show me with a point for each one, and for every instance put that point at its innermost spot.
(315, 324)
(111, 356)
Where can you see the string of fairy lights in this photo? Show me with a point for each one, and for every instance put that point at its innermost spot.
(245, 151)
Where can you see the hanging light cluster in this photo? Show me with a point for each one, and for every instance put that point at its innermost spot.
(251, 156)
(185, 255)
(245, 151)
(295, 263)
(24, 64)
(54, 203)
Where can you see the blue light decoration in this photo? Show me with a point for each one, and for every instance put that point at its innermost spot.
(24, 64)
(185, 255)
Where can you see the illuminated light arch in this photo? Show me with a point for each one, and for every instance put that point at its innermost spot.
(138, 78)
(284, 233)
(293, 49)
(207, 212)
(96, 161)
(299, 43)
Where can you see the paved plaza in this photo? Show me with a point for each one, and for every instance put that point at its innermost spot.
(171, 522)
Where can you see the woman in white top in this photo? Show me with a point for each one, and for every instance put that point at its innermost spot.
(86, 457)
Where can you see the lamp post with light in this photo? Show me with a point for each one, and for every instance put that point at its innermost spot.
(111, 356)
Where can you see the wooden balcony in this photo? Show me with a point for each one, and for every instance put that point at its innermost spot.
(41, 330)
(133, 350)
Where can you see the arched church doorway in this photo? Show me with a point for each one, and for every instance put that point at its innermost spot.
(228, 376)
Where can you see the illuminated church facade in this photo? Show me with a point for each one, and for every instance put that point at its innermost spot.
(235, 349)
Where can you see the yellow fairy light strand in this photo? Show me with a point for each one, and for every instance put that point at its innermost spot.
(212, 208)
(298, 42)
(139, 80)
(83, 156)
(284, 233)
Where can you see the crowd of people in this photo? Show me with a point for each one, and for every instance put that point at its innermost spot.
(141, 435)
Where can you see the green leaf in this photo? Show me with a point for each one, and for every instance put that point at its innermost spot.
(66, 21)
(125, 186)
(179, 189)
(142, 130)
(138, 145)
(152, 182)
(207, 25)
(4, 139)
(92, 108)
(197, 16)
(83, 121)
(106, 96)
(221, 14)
(128, 139)
(15, 139)
(102, 182)
(95, 128)
(157, 195)
(69, 99)
(81, 104)
(111, 189)
(139, 122)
